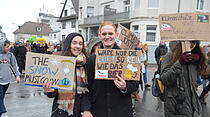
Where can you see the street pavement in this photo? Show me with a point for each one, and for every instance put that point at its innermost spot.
(27, 101)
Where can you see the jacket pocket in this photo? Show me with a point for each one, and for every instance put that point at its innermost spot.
(176, 104)
(59, 113)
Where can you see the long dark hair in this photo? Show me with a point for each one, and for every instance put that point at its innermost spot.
(66, 51)
(201, 65)
(176, 51)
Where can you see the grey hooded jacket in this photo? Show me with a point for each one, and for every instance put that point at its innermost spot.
(181, 99)
(8, 65)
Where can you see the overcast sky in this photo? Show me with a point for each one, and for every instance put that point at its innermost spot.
(17, 12)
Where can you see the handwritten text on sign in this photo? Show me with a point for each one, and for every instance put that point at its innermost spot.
(185, 26)
(43, 68)
(125, 63)
(126, 38)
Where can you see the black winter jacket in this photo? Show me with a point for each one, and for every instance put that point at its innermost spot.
(160, 51)
(106, 99)
(81, 104)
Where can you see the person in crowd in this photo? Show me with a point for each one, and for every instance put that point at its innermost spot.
(109, 98)
(33, 47)
(161, 50)
(41, 48)
(179, 73)
(206, 89)
(50, 48)
(57, 48)
(66, 103)
(21, 56)
(92, 45)
(13, 48)
(28, 46)
(135, 95)
(145, 50)
(8, 71)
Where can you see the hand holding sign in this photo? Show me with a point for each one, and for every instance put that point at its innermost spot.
(42, 68)
(119, 82)
(86, 114)
(124, 63)
(47, 87)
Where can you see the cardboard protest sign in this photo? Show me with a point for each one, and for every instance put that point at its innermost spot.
(184, 26)
(125, 63)
(43, 68)
(126, 39)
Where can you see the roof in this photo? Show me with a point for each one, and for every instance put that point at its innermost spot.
(31, 28)
(76, 5)
(2, 32)
(71, 17)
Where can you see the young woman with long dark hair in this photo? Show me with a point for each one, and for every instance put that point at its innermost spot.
(179, 72)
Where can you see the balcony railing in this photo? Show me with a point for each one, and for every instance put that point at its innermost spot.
(100, 18)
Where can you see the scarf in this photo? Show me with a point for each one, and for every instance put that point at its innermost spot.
(66, 98)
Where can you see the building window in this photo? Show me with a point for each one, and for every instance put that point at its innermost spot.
(127, 2)
(127, 6)
(151, 33)
(107, 7)
(137, 4)
(64, 25)
(80, 12)
(90, 11)
(65, 12)
(73, 24)
(72, 11)
(86, 31)
(54, 36)
(63, 37)
(135, 29)
(38, 29)
(153, 4)
(200, 4)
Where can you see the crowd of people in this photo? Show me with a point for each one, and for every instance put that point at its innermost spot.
(179, 73)
(19, 50)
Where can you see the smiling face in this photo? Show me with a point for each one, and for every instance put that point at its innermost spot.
(107, 35)
(76, 46)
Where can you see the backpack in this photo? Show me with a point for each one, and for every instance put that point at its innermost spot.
(157, 86)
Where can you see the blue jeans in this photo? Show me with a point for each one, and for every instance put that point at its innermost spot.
(3, 89)
(145, 76)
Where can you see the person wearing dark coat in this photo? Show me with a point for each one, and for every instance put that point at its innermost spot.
(179, 73)
(41, 48)
(21, 56)
(72, 103)
(109, 98)
(161, 50)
